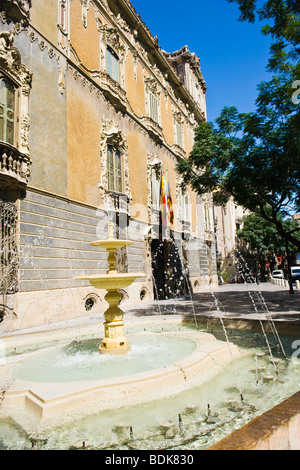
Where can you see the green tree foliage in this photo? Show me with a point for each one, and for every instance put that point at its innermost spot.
(251, 158)
(255, 157)
(263, 236)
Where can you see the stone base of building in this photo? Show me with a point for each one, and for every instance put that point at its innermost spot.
(27, 310)
(40, 308)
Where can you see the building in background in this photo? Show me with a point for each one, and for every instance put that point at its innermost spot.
(94, 117)
(228, 219)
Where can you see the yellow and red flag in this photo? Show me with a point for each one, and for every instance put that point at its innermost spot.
(170, 203)
(166, 203)
(163, 201)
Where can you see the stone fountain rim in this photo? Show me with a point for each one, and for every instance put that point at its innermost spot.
(47, 400)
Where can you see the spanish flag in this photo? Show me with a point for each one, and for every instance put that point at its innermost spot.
(163, 201)
(169, 203)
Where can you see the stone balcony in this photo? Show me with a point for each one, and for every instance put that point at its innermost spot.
(117, 202)
(113, 91)
(179, 151)
(209, 236)
(153, 128)
(14, 167)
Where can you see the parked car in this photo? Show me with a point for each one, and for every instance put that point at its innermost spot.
(295, 271)
(278, 274)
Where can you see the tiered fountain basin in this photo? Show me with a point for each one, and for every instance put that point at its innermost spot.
(187, 357)
(115, 342)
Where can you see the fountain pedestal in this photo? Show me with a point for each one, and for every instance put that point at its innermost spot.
(115, 341)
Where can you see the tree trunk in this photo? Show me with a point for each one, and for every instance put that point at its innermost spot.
(289, 270)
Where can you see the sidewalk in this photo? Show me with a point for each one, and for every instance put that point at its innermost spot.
(232, 301)
(249, 301)
(235, 301)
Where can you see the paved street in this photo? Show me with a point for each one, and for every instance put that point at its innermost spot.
(250, 300)
(239, 301)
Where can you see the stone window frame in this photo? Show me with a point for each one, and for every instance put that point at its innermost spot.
(20, 76)
(186, 208)
(6, 138)
(182, 193)
(63, 16)
(154, 168)
(208, 223)
(178, 122)
(110, 38)
(152, 89)
(117, 183)
(85, 5)
(113, 57)
(112, 135)
(63, 22)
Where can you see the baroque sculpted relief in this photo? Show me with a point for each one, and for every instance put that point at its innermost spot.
(18, 9)
(12, 68)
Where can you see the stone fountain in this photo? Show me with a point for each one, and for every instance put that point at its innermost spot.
(114, 342)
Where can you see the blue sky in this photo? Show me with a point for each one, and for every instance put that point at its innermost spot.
(233, 55)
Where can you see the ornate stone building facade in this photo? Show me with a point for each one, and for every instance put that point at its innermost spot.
(94, 117)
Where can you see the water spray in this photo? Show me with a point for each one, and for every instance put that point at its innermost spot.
(180, 424)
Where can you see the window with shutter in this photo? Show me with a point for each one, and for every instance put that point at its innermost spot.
(112, 64)
(114, 170)
(153, 105)
(7, 111)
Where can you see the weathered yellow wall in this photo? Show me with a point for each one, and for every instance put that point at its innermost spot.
(44, 17)
(85, 40)
(84, 112)
(167, 120)
(188, 139)
(135, 88)
(83, 129)
(138, 174)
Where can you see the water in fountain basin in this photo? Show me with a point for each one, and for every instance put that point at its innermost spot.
(81, 361)
(155, 424)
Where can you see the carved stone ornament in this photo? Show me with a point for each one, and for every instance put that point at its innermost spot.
(110, 37)
(112, 135)
(115, 89)
(85, 4)
(18, 9)
(10, 61)
(154, 166)
(151, 85)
